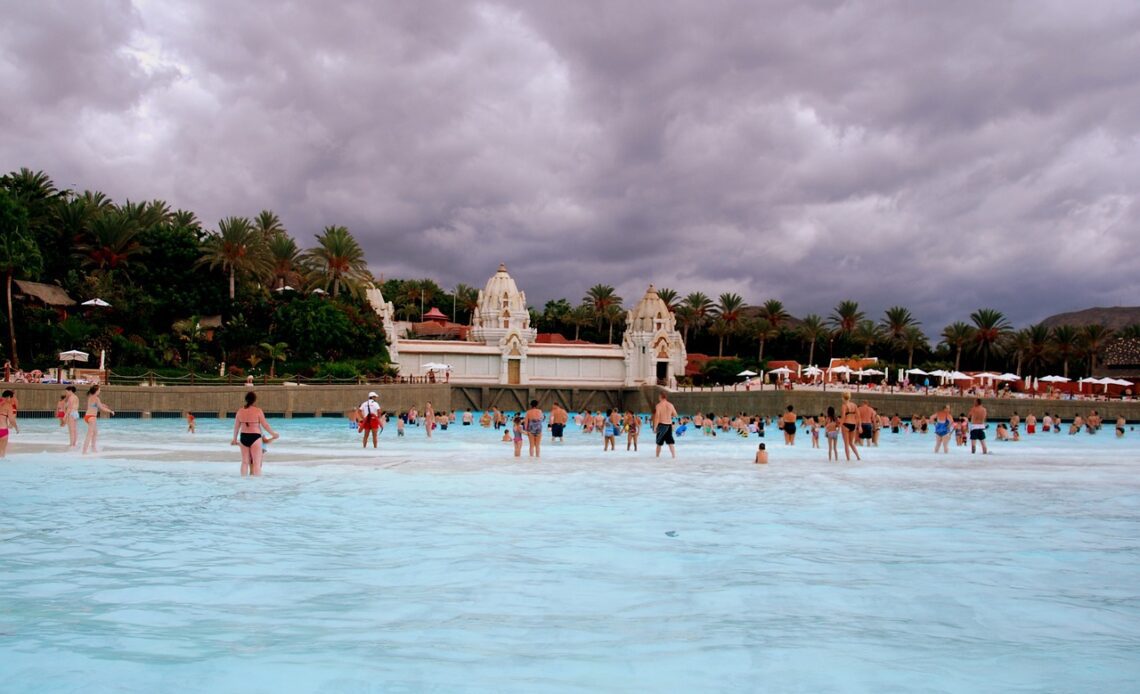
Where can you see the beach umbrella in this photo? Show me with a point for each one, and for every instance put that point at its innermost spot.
(939, 373)
(783, 371)
(870, 372)
(1053, 379)
(435, 366)
(286, 288)
(74, 355)
(1009, 378)
(1122, 382)
(919, 372)
(959, 376)
(747, 372)
(96, 302)
(812, 371)
(986, 376)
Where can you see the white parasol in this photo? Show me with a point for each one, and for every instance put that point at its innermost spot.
(1009, 378)
(434, 366)
(747, 372)
(96, 302)
(918, 372)
(1053, 379)
(74, 355)
(812, 371)
(783, 371)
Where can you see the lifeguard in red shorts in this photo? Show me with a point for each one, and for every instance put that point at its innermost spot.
(370, 419)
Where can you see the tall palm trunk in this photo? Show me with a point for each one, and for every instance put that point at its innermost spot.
(11, 327)
(811, 353)
(760, 356)
(909, 358)
(720, 347)
(232, 275)
(958, 358)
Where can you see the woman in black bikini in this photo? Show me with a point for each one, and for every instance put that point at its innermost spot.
(248, 423)
(849, 417)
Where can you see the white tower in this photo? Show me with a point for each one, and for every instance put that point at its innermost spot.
(501, 319)
(654, 350)
(387, 313)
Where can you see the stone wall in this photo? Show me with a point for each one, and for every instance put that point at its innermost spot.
(320, 400)
(773, 402)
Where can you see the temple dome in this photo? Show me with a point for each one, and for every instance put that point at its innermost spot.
(651, 314)
(501, 308)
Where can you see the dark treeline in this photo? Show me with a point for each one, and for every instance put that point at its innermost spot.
(164, 274)
(304, 311)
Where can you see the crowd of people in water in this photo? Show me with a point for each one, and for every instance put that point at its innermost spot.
(857, 425)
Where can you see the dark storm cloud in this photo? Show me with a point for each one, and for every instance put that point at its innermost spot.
(947, 156)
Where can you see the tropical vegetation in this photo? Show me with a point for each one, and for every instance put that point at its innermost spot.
(244, 297)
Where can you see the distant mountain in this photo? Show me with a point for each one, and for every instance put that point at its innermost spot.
(1115, 317)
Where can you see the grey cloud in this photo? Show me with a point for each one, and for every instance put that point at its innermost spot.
(945, 157)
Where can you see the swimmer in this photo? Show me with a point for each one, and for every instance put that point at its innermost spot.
(94, 407)
(943, 423)
(850, 418)
(190, 427)
(788, 424)
(831, 433)
(609, 432)
(761, 456)
(517, 429)
(534, 419)
(7, 419)
(559, 418)
(71, 416)
(632, 429)
(249, 423)
(663, 415)
(978, 426)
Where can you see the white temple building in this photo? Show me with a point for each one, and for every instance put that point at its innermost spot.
(502, 346)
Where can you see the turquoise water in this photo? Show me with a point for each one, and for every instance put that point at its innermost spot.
(448, 565)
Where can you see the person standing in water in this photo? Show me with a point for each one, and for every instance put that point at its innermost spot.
(533, 428)
(71, 416)
(248, 425)
(94, 407)
(7, 420)
(663, 415)
(369, 419)
(978, 426)
(788, 424)
(943, 423)
(850, 421)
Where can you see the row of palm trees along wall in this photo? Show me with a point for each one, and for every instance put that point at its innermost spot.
(163, 272)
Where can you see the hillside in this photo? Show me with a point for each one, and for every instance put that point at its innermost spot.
(1115, 317)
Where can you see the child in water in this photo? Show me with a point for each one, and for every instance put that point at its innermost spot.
(518, 435)
(762, 456)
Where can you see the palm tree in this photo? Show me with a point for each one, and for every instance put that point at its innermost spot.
(275, 353)
(1092, 340)
(238, 249)
(728, 312)
(1064, 341)
(721, 329)
(695, 310)
(896, 320)
(1032, 347)
(111, 241)
(956, 336)
(866, 333)
(190, 331)
(465, 300)
(338, 261)
(990, 329)
(19, 255)
(764, 330)
(912, 339)
(845, 317)
(600, 297)
(286, 260)
(669, 296)
(1129, 332)
(811, 331)
(580, 315)
(773, 311)
(269, 225)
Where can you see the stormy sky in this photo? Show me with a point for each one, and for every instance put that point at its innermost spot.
(946, 156)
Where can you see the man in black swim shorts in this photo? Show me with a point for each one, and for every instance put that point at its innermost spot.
(663, 415)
